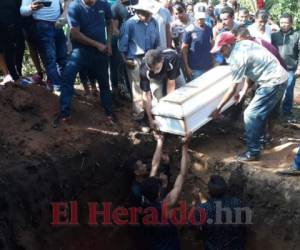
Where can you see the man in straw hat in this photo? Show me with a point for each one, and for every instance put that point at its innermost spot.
(138, 34)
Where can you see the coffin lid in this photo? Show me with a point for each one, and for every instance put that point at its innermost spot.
(198, 85)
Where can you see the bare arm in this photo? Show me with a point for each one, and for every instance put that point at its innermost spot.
(171, 85)
(247, 84)
(110, 28)
(169, 37)
(116, 31)
(185, 51)
(65, 5)
(157, 155)
(173, 195)
(83, 39)
(228, 95)
(148, 107)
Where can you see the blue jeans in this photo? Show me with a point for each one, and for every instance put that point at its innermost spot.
(97, 63)
(266, 99)
(297, 160)
(288, 99)
(53, 46)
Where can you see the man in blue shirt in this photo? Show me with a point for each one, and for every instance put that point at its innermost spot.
(88, 20)
(196, 45)
(219, 7)
(138, 34)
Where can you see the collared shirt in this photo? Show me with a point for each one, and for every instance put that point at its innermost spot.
(253, 29)
(288, 45)
(137, 37)
(91, 20)
(218, 9)
(50, 14)
(177, 30)
(163, 17)
(199, 42)
(250, 59)
(120, 12)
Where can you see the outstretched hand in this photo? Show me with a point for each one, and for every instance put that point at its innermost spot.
(216, 114)
(158, 136)
(36, 6)
(186, 140)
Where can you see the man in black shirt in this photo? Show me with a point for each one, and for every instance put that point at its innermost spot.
(160, 74)
(221, 228)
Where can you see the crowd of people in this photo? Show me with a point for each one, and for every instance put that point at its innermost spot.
(145, 49)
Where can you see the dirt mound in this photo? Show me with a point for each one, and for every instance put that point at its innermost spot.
(84, 161)
(27, 115)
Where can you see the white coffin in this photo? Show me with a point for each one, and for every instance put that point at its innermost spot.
(188, 108)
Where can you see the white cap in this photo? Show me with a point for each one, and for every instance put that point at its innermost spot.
(200, 10)
(147, 5)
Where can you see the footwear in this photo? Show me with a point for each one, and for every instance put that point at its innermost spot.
(289, 119)
(25, 82)
(49, 86)
(111, 120)
(291, 171)
(56, 90)
(61, 121)
(37, 79)
(266, 142)
(7, 79)
(143, 126)
(247, 156)
(95, 93)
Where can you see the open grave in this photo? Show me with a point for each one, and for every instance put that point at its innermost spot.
(84, 162)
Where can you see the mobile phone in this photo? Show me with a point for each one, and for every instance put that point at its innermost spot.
(45, 3)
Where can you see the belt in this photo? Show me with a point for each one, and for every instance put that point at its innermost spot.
(44, 21)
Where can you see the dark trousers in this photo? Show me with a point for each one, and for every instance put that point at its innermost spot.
(117, 67)
(53, 46)
(94, 61)
(10, 38)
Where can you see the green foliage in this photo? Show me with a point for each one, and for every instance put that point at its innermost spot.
(283, 6)
(28, 66)
(276, 8)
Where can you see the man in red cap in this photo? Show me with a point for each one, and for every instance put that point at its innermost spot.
(249, 59)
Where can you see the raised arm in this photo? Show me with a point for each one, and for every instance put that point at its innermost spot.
(173, 195)
(148, 107)
(157, 154)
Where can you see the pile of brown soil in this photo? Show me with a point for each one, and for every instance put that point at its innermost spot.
(84, 161)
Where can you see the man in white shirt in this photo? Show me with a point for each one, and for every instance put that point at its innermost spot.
(261, 28)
